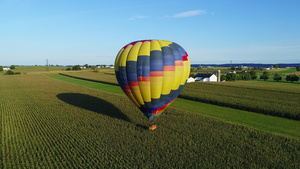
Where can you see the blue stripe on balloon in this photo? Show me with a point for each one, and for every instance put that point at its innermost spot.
(156, 61)
(154, 104)
(162, 100)
(131, 70)
(180, 49)
(176, 53)
(123, 76)
(143, 66)
(168, 58)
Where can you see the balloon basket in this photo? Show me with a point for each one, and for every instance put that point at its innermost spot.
(152, 126)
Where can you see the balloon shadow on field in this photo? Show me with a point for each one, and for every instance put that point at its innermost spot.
(92, 103)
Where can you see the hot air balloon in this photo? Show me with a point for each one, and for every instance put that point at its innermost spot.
(152, 73)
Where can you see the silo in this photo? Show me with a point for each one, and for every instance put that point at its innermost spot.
(219, 75)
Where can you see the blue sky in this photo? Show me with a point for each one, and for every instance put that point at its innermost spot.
(92, 32)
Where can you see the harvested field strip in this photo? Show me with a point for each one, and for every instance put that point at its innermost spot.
(92, 80)
(103, 76)
(272, 124)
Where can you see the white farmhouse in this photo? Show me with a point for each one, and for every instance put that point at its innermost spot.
(206, 77)
(6, 68)
(190, 80)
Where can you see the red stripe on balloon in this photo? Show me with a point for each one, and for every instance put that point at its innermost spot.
(126, 87)
(184, 58)
(133, 83)
(143, 79)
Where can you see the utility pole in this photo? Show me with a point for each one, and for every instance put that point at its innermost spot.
(47, 64)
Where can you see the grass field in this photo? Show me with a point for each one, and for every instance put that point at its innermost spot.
(52, 123)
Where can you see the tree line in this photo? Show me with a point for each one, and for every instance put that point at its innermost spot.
(252, 75)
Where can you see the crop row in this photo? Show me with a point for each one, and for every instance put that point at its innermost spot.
(270, 102)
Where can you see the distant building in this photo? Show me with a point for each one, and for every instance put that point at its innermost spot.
(190, 80)
(206, 77)
(6, 68)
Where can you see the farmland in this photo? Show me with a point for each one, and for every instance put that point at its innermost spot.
(284, 103)
(48, 122)
(271, 98)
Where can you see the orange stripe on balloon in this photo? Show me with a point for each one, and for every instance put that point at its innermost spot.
(169, 68)
(156, 73)
(178, 63)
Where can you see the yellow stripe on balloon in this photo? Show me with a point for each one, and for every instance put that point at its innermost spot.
(168, 79)
(164, 43)
(133, 54)
(145, 91)
(178, 74)
(186, 72)
(125, 55)
(122, 62)
(156, 77)
(137, 94)
(145, 85)
(155, 45)
(118, 59)
(145, 49)
(130, 96)
(156, 83)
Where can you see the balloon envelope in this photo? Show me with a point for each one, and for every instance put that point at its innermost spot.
(152, 73)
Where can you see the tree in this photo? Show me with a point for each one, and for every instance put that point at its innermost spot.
(277, 77)
(223, 77)
(292, 78)
(76, 67)
(265, 76)
(12, 67)
(253, 74)
(245, 76)
(239, 68)
(95, 69)
(298, 68)
(9, 72)
(275, 66)
(231, 77)
(1, 68)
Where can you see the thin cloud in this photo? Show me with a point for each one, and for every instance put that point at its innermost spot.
(189, 13)
(138, 17)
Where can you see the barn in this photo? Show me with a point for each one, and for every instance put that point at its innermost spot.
(206, 77)
(190, 80)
